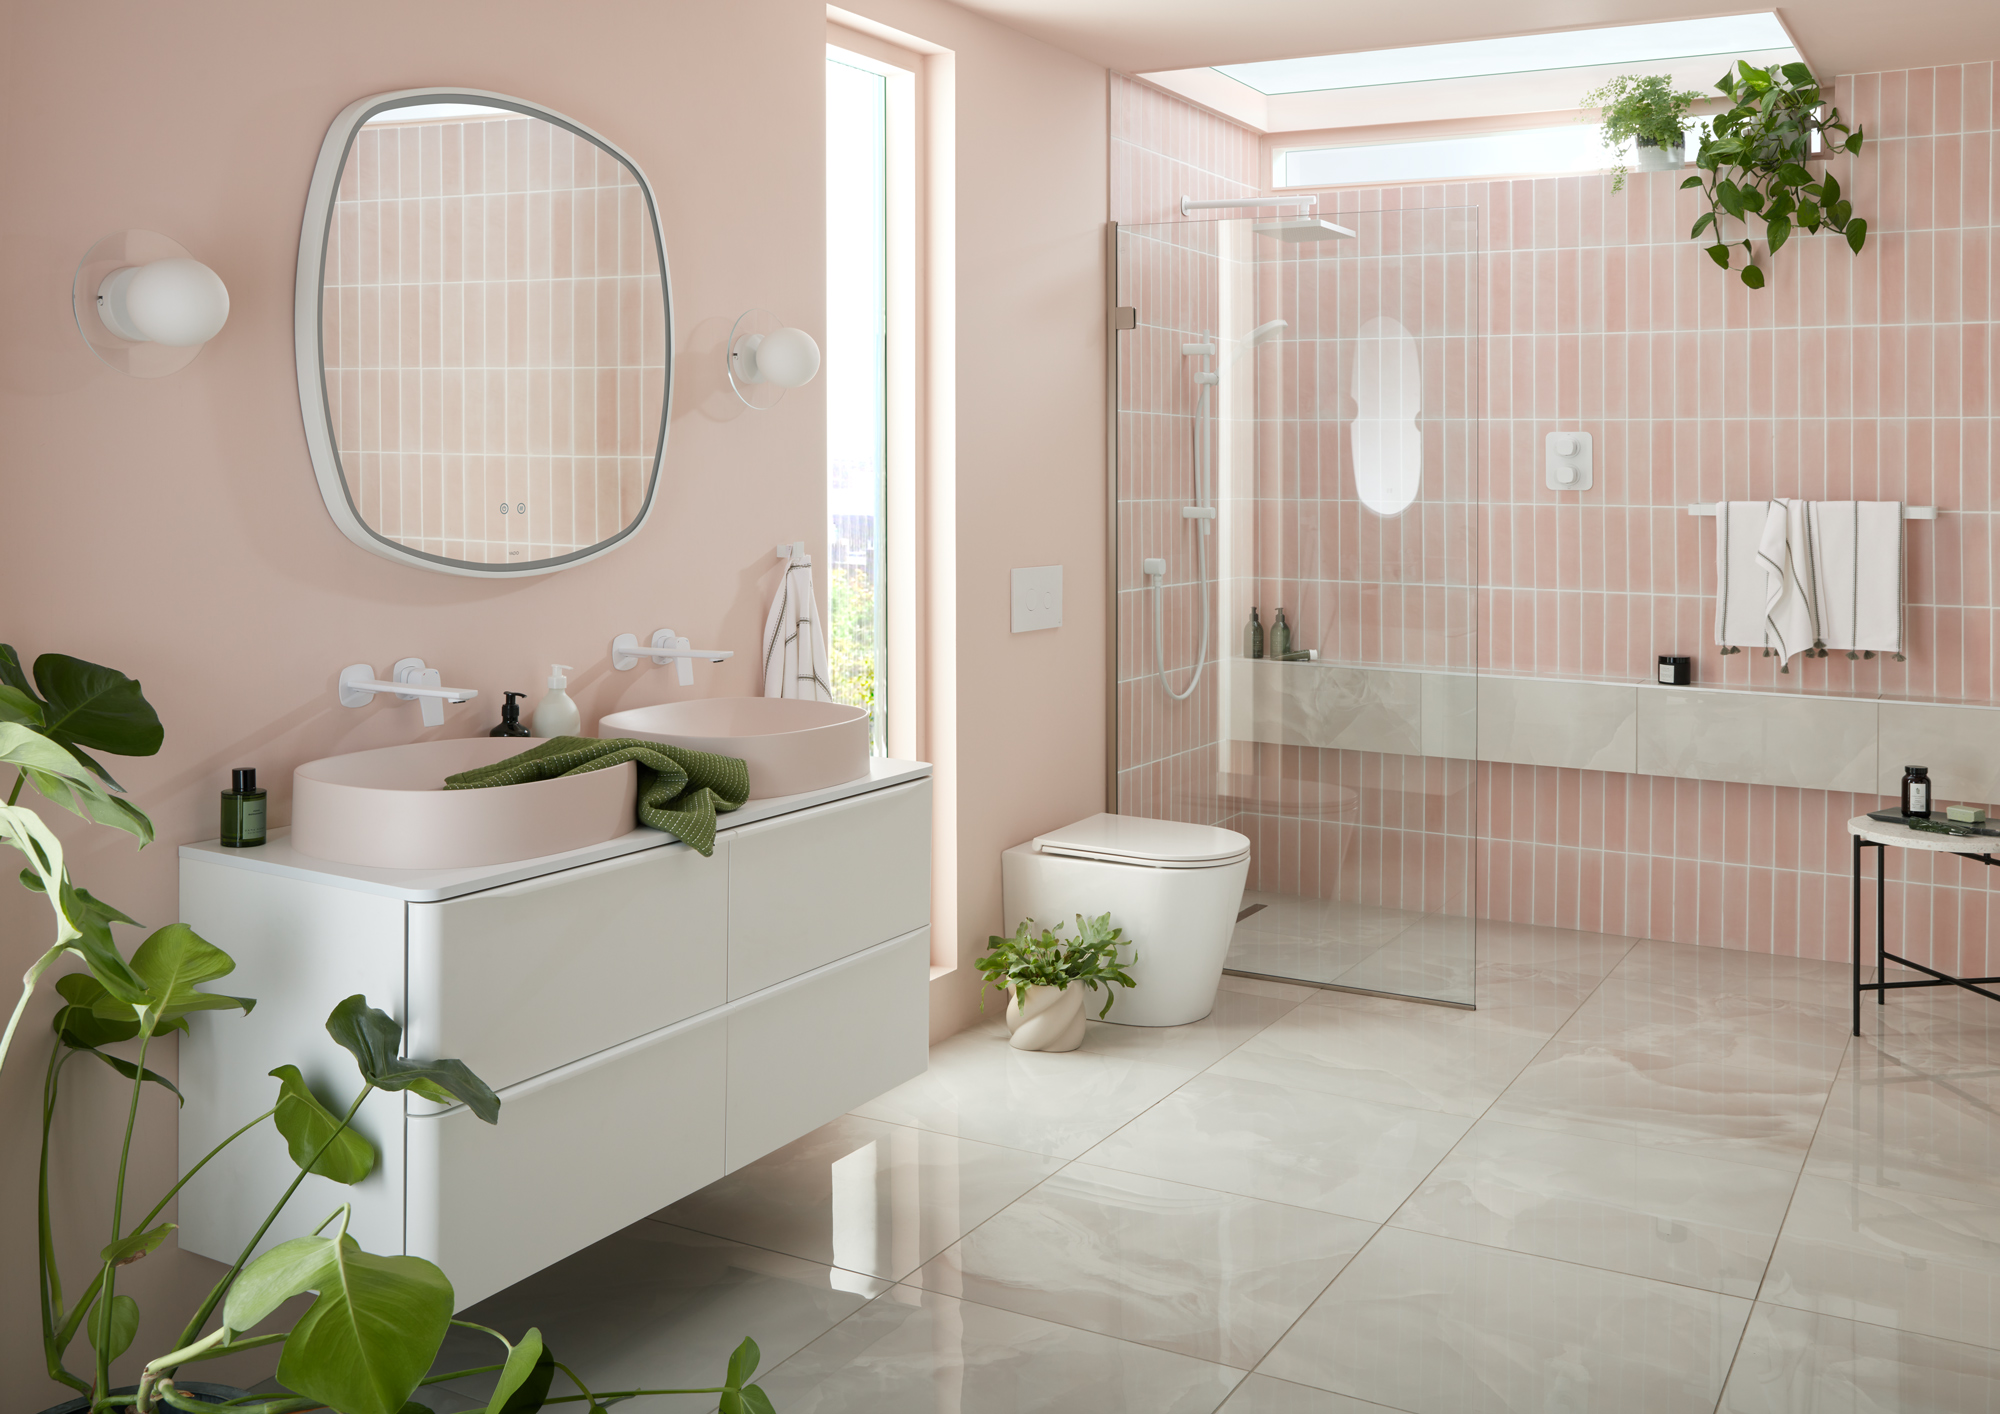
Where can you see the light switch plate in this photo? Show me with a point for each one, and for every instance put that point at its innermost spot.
(1568, 453)
(1037, 598)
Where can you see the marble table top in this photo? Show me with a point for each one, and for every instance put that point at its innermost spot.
(1903, 837)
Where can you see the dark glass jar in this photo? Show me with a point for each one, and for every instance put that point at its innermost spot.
(1917, 792)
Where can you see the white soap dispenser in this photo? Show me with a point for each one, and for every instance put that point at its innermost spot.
(555, 714)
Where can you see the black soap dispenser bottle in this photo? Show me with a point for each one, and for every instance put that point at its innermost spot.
(242, 810)
(510, 717)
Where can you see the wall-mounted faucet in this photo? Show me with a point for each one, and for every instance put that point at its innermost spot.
(412, 682)
(626, 653)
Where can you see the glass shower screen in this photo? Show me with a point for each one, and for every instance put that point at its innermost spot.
(1297, 429)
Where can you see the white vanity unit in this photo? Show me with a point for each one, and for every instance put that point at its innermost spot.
(652, 1020)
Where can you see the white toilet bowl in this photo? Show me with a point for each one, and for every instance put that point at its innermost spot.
(1174, 888)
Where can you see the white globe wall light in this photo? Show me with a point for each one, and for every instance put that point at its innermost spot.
(144, 305)
(764, 358)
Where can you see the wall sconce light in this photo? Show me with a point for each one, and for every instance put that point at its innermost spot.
(144, 305)
(764, 358)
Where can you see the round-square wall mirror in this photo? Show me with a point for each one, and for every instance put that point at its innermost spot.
(484, 333)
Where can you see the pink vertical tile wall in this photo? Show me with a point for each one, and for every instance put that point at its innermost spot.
(494, 334)
(1162, 150)
(1848, 377)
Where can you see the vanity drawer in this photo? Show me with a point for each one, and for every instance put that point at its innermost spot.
(819, 1045)
(519, 980)
(807, 889)
(576, 1156)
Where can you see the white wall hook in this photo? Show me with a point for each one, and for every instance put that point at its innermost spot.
(795, 553)
(410, 680)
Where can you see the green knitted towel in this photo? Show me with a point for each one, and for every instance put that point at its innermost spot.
(680, 791)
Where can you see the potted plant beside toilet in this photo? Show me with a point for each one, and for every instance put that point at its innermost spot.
(1648, 112)
(1045, 975)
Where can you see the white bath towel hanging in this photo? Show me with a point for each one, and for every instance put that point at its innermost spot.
(795, 662)
(1741, 594)
(1786, 551)
(1858, 574)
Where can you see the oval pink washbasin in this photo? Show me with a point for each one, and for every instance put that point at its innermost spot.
(389, 807)
(789, 745)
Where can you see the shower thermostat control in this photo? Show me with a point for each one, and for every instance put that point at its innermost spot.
(1568, 466)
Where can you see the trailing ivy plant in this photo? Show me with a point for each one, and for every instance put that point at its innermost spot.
(1047, 959)
(1642, 108)
(1753, 163)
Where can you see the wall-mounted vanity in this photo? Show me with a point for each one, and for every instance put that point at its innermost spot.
(652, 1020)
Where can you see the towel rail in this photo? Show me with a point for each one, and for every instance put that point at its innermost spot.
(1714, 508)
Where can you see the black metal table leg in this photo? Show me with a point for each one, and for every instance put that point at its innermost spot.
(1855, 919)
(1881, 949)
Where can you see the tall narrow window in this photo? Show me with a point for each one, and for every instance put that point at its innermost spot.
(857, 388)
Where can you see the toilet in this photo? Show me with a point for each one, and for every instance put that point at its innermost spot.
(1174, 888)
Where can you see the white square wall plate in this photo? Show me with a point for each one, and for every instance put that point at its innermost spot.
(1038, 598)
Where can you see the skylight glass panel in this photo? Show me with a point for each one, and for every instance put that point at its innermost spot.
(1571, 49)
(1574, 147)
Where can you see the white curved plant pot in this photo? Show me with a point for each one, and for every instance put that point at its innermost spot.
(1646, 157)
(1052, 1020)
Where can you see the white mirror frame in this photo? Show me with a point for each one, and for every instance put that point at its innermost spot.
(309, 342)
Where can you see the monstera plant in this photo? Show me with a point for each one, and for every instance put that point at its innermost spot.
(1753, 165)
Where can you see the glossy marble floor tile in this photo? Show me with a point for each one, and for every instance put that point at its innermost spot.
(1891, 1257)
(864, 1195)
(1308, 959)
(1340, 1155)
(659, 1306)
(1376, 1048)
(1432, 958)
(1237, 1017)
(979, 1087)
(1435, 1326)
(1798, 1362)
(921, 1352)
(1911, 1122)
(1264, 987)
(1212, 1275)
(1654, 1213)
(1260, 1394)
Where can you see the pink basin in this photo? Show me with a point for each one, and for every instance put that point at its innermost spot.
(789, 745)
(389, 808)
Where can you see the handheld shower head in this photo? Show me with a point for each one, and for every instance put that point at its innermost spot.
(1264, 331)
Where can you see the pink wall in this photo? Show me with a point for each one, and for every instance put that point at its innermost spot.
(476, 268)
(173, 528)
(1849, 377)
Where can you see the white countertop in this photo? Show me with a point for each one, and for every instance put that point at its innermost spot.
(276, 855)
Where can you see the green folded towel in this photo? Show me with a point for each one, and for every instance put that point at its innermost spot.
(680, 791)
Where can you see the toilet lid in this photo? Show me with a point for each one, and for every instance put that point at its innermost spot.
(1158, 844)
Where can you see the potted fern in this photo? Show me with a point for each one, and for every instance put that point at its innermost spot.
(1647, 112)
(1037, 969)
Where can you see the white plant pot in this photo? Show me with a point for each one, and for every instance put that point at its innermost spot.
(1647, 157)
(1052, 1020)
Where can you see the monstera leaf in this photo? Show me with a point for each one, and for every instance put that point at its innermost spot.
(313, 1133)
(81, 705)
(373, 1038)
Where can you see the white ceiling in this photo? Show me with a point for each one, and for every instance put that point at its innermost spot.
(1136, 36)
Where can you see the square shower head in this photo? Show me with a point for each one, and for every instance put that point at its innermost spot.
(1303, 228)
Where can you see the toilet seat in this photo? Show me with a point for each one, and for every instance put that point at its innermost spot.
(1135, 841)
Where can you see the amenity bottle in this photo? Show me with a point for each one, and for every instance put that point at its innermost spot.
(1917, 792)
(243, 810)
(555, 714)
(1253, 637)
(510, 717)
(1281, 635)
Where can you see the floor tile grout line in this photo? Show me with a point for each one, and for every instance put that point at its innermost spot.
(1348, 1265)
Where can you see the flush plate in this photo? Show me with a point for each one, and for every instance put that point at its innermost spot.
(1037, 598)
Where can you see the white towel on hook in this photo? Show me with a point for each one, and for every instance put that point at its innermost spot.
(795, 663)
(1858, 574)
(1785, 549)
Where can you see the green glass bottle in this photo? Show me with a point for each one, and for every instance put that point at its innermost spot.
(242, 810)
(1281, 635)
(1253, 637)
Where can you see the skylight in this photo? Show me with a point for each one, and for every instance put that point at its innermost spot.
(1529, 53)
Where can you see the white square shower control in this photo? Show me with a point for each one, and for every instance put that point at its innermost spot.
(1037, 598)
(1568, 467)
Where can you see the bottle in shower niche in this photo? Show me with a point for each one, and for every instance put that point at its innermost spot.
(1281, 634)
(1253, 637)
(242, 810)
(1917, 792)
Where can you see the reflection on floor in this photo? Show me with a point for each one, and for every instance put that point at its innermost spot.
(1642, 1176)
(1355, 945)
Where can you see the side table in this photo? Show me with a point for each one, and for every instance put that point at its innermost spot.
(1882, 836)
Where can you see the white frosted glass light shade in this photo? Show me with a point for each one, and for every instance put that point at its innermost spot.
(788, 358)
(180, 303)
